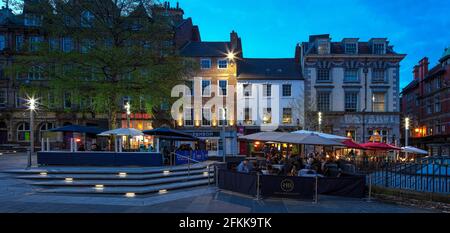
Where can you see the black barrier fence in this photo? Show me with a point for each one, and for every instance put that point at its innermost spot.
(255, 184)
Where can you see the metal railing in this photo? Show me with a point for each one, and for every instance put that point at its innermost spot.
(427, 175)
(189, 159)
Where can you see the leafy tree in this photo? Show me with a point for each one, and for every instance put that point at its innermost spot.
(95, 52)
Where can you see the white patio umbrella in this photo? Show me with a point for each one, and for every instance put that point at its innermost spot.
(123, 132)
(129, 132)
(322, 135)
(413, 150)
(307, 139)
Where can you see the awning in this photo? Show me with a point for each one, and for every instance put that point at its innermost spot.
(78, 129)
(379, 146)
(305, 139)
(414, 150)
(172, 134)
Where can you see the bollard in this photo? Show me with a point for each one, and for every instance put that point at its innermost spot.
(209, 170)
(29, 159)
(42, 145)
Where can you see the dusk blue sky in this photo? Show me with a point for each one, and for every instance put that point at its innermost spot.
(271, 28)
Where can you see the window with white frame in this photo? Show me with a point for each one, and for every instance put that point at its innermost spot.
(267, 115)
(223, 116)
(323, 75)
(323, 101)
(206, 116)
(378, 75)
(222, 63)
(3, 97)
(2, 42)
(223, 85)
(351, 75)
(323, 47)
(287, 90)
(205, 63)
(206, 88)
(188, 116)
(287, 115)
(247, 90)
(379, 48)
(379, 102)
(351, 101)
(267, 90)
(23, 132)
(351, 48)
(248, 116)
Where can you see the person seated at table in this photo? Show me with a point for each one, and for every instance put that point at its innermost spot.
(294, 171)
(94, 147)
(243, 167)
(81, 148)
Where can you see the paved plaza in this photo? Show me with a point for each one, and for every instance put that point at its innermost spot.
(16, 196)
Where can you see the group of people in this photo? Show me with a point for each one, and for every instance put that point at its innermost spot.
(293, 165)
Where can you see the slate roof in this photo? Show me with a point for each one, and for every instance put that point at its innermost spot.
(206, 49)
(269, 69)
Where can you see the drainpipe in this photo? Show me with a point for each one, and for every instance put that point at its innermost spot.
(365, 70)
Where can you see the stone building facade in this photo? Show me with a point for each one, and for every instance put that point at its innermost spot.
(355, 85)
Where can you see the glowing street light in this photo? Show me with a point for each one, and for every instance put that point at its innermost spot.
(319, 116)
(32, 105)
(406, 134)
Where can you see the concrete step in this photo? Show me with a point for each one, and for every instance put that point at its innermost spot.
(121, 183)
(105, 170)
(115, 176)
(162, 188)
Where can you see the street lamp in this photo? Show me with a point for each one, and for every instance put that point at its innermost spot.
(319, 117)
(223, 116)
(406, 133)
(32, 104)
(128, 109)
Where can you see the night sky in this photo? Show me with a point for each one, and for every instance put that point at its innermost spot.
(271, 28)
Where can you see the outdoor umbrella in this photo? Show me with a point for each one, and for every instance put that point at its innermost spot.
(306, 139)
(351, 144)
(414, 150)
(123, 132)
(171, 134)
(379, 146)
(323, 135)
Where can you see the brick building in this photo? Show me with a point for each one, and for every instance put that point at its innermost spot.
(19, 32)
(426, 101)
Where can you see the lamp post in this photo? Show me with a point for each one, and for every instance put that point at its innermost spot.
(32, 106)
(224, 148)
(319, 119)
(128, 109)
(406, 133)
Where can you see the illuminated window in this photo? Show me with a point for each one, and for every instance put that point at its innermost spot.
(23, 132)
(267, 115)
(287, 115)
(379, 102)
(248, 116)
(323, 47)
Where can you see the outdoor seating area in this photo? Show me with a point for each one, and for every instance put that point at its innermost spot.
(116, 149)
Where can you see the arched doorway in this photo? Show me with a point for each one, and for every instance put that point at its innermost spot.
(3, 133)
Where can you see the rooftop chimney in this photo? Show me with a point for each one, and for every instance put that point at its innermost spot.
(298, 53)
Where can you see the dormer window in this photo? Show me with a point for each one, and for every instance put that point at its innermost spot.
(33, 20)
(379, 48)
(323, 47)
(351, 48)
